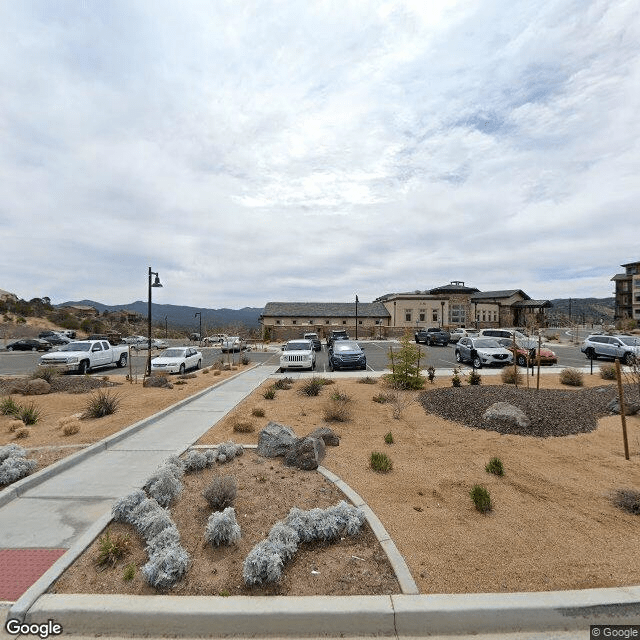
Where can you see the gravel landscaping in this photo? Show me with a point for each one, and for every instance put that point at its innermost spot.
(553, 412)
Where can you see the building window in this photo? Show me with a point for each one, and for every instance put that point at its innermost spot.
(344, 322)
(310, 321)
(294, 322)
(327, 321)
(407, 317)
(277, 321)
(484, 316)
(422, 316)
(434, 315)
(359, 321)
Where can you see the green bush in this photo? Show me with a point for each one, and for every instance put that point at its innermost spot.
(474, 378)
(405, 365)
(312, 387)
(608, 372)
(495, 466)
(100, 404)
(29, 414)
(380, 462)
(129, 572)
(481, 498)
(388, 438)
(340, 396)
(455, 378)
(571, 377)
(510, 375)
(9, 407)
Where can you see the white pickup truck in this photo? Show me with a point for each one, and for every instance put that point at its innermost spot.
(83, 355)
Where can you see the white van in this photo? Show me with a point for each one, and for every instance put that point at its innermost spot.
(503, 333)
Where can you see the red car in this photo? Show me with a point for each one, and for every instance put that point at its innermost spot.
(529, 350)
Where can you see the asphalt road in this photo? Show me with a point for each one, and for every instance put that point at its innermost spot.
(23, 363)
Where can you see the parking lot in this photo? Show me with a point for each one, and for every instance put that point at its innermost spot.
(377, 352)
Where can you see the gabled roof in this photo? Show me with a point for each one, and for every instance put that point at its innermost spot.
(533, 303)
(324, 309)
(453, 287)
(493, 295)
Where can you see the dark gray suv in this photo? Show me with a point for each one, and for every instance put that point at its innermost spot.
(626, 348)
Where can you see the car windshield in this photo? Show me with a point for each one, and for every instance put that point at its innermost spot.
(486, 343)
(630, 342)
(311, 336)
(172, 353)
(345, 345)
(76, 346)
(297, 346)
(232, 339)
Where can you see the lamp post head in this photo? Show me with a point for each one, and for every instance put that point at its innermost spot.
(156, 282)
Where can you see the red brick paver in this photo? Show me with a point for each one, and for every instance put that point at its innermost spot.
(20, 568)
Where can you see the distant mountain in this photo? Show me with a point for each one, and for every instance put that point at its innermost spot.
(178, 316)
(583, 309)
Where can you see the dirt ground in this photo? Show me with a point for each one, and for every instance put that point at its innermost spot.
(552, 526)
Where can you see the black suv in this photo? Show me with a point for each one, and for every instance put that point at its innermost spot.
(338, 334)
(433, 335)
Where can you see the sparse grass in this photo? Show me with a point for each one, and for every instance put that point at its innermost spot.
(269, 393)
(571, 377)
(474, 378)
(380, 462)
(187, 376)
(608, 371)
(495, 466)
(283, 384)
(244, 427)
(628, 500)
(336, 410)
(102, 403)
(45, 373)
(9, 407)
(112, 548)
(368, 380)
(221, 493)
(388, 438)
(481, 498)
(312, 387)
(129, 572)
(15, 424)
(180, 382)
(258, 412)
(216, 372)
(381, 398)
(23, 432)
(29, 414)
(340, 396)
(510, 375)
(71, 428)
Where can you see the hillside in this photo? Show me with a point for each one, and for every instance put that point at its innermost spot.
(583, 310)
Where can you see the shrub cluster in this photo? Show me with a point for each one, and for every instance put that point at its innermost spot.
(168, 560)
(258, 412)
(380, 462)
(70, 425)
(571, 377)
(13, 464)
(266, 560)
(269, 393)
(495, 466)
(510, 375)
(243, 427)
(608, 372)
(312, 387)
(222, 528)
(221, 493)
(100, 404)
(474, 378)
(283, 384)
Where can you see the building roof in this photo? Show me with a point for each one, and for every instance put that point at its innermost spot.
(547, 304)
(631, 264)
(621, 276)
(494, 295)
(325, 309)
(456, 286)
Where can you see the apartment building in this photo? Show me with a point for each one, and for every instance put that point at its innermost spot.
(627, 292)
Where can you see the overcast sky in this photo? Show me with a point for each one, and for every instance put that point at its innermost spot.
(310, 151)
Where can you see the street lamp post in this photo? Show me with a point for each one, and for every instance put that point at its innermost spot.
(442, 313)
(199, 314)
(156, 283)
(166, 328)
(356, 317)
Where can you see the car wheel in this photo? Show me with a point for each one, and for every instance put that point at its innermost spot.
(445, 344)
(34, 348)
(199, 365)
(458, 357)
(628, 359)
(477, 363)
(522, 361)
(313, 366)
(84, 367)
(9, 348)
(122, 361)
(181, 370)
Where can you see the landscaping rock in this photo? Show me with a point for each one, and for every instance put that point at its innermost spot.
(326, 435)
(37, 387)
(305, 453)
(274, 440)
(504, 415)
(630, 408)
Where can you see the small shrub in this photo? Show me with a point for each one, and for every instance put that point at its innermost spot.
(243, 427)
(283, 384)
(45, 373)
(257, 412)
(221, 493)
(627, 500)
(14, 425)
(380, 462)
(129, 572)
(157, 380)
(245, 359)
(205, 371)
(481, 498)
(495, 466)
(325, 382)
(340, 396)
(312, 387)
(71, 428)
(101, 404)
(367, 380)
(30, 414)
(9, 407)
(112, 549)
(455, 379)
(381, 398)
(187, 376)
(269, 393)
(510, 375)
(474, 378)
(608, 372)
(180, 382)
(389, 438)
(337, 411)
(216, 372)
(571, 377)
(431, 373)
(23, 432)
(222, 528)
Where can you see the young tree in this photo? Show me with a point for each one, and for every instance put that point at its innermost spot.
(405, 365)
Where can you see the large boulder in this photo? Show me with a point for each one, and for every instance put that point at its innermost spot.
(305, 453)
(274, 440)
(630, 407)
(326, 435)
(502, 416)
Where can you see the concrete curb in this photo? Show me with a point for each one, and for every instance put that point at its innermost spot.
(18, 488)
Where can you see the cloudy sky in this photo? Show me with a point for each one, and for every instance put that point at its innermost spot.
(291, 151)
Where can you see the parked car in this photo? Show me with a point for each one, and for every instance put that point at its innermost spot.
(57, 339)
(528, 350)
(216, 338)
(503, 333)
(625, 348)
(177, 360)
(298, 354)
(155, 344)
(45, 334)
(315, 340)
(336, 334)
(233, 343)
(84, 355)
(433, 335)
(458, 333)
(346, 354)
(482, 351)
(134, 339)
(29, 344)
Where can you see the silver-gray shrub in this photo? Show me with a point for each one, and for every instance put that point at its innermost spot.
(221, 493)
(153, 523)
(196, 461)
(12, 451)
(222, 528)
(266, 560)
(168, 537)
(227, 451)
(166, 566)
(164, 485)
(122, 508)
(14, 468)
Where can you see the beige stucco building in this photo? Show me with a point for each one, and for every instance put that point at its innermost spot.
(628, 292)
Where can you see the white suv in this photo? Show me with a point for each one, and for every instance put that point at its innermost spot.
(626, 348)
(298, 354)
